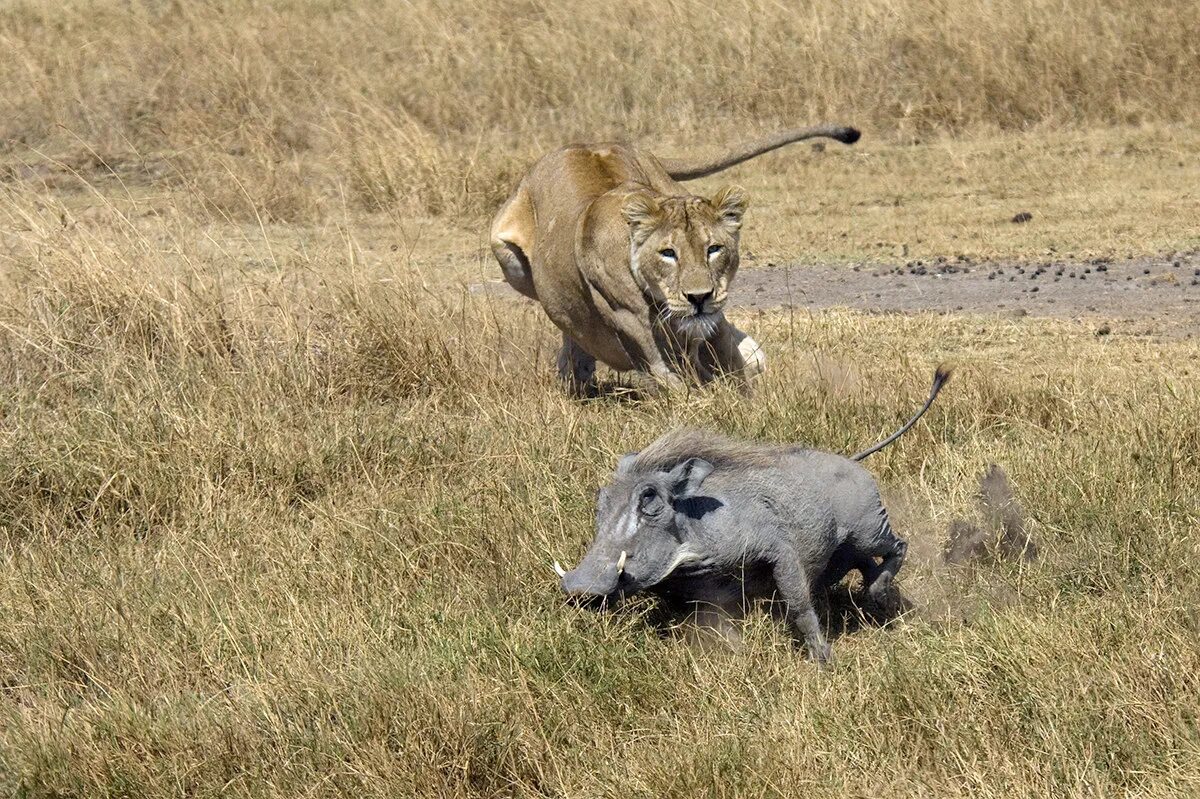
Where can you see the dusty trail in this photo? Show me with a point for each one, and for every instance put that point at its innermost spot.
(1158, 295)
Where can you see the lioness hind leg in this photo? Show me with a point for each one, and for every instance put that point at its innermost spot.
(512, 238)
(576, 368)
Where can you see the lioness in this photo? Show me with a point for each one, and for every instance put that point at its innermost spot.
(633, 269)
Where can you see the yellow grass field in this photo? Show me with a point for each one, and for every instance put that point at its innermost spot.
(280, 487)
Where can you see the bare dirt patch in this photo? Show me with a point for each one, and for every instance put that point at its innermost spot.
(1152, 295)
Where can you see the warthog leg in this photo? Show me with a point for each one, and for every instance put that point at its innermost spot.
(793, 587)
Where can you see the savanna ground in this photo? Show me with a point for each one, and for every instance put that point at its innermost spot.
(279, 492)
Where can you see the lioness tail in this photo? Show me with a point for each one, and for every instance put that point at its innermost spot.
(682, 170)
(939, 379)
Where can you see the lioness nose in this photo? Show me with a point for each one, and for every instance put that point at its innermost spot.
(699, 298)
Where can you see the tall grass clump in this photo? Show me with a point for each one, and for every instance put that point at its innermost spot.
(290, 109)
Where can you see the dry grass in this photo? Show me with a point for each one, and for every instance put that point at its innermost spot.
(284, 528)
(278, 498)
(288, 110)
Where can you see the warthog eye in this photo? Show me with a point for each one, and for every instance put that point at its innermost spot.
(667, 253)
(714, 249)
(649, 501)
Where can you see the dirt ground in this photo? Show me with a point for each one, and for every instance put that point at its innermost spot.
(1155, 295)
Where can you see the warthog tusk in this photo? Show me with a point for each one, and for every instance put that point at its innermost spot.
(559, 570)
(621, 563)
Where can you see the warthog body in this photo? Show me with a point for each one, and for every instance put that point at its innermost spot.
(701, 519)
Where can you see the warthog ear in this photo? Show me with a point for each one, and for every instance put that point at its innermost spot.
(625, 462)
(641, 211)
(687, 476)
(731, 203)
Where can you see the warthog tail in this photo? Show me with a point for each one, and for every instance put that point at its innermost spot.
(940, 377)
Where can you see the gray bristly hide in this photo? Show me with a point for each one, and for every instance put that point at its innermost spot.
(700, 518)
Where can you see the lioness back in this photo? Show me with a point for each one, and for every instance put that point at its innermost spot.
(574, 192)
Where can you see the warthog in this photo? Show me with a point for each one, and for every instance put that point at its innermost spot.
(707, 521)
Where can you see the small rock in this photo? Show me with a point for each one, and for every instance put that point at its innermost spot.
(1022, 218)
(1103, 330)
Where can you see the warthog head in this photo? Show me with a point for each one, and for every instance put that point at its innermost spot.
(641, 531)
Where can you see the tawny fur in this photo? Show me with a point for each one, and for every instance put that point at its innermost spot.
(631, 267)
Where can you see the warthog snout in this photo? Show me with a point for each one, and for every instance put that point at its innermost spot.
(591, 583)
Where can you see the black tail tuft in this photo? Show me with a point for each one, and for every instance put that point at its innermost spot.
(942, 376)
(847, 135)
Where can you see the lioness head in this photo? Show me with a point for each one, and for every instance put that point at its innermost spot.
(684, 253)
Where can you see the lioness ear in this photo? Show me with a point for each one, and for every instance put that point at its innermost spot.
(641, 211)
(687, 476)
(731, 203)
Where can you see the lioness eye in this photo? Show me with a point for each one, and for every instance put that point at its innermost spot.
(668, 253)
(713, 249)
